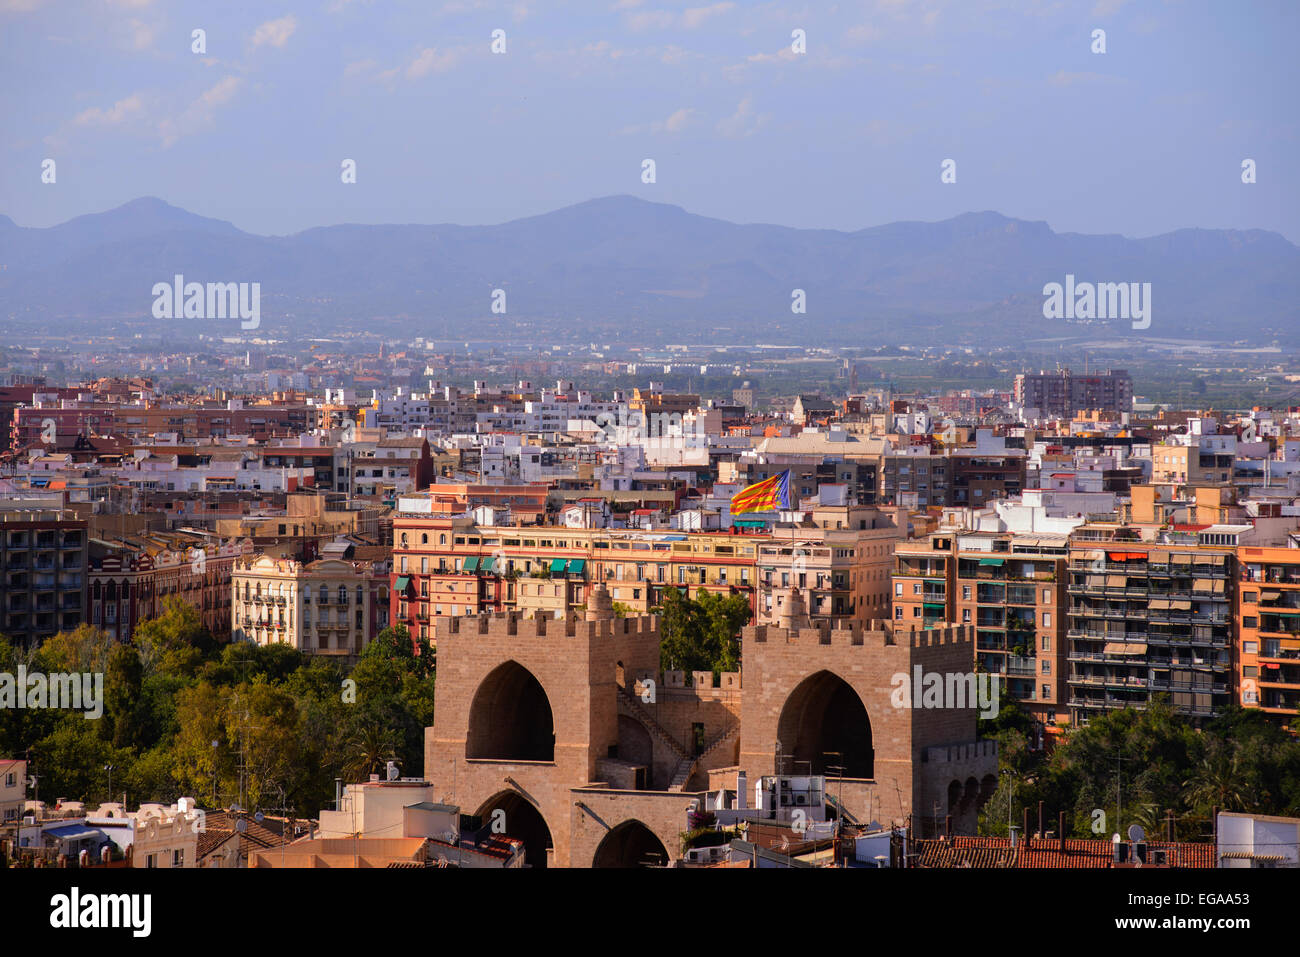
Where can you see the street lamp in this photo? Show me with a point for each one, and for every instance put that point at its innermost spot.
(109, 769)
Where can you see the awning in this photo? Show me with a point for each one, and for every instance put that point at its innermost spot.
(1124, 648)
(1116, 581)
(72, 832)
(1158, 604)
(557, 566)
(402, 583)
(1270, 596)
(577, 565)
(1181, 558)
(488, 565)
(471, 564)
(1209, 559)
(1096, 581)
(1220, 586)
(993, 561)
(1159, 558)
(1203, 584)
(1180, 605)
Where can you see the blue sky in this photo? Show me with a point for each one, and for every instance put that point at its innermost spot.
(1142, 139)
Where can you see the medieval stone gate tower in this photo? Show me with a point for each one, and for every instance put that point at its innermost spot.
(594, 756)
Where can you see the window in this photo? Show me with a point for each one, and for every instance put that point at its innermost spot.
(916, 611)
(965, 614)
(898, 589)
(178, 857)
(1047, 596)
(1045, 641)
(898, 611)
(151, 860)
(916, 588)
(1250, 647)
(1047, 667)
(1046, 693)
(965, 592)
(1047, 619)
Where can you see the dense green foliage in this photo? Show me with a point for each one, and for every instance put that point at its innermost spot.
(1149, 762)
(701, 633)
(183, 713)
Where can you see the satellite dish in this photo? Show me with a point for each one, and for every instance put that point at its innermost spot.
(1136, 834)
(258, 817)
(241, 825)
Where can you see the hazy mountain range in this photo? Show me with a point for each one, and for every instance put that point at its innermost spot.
(626, 269)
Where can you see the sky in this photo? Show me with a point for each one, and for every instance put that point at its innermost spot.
(1147, 137)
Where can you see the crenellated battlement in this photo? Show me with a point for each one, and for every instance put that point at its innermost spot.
(875, 634)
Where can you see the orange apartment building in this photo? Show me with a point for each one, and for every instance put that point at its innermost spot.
(1268, 630)
(1012, 589)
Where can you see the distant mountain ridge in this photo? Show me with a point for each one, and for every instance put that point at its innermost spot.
(623, 268)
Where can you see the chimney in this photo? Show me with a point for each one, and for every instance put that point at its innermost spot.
(741, 798)
(1025, 830)
(947, 827)
(1040, 818)
(1061, 829)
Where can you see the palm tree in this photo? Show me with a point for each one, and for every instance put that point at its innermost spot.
(369, 749)
(1215, 783)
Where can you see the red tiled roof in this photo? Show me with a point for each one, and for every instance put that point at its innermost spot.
(1040, 853)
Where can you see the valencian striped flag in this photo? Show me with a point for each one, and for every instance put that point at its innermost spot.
(766, 496)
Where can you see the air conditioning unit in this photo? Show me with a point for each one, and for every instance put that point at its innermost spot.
(801, 799)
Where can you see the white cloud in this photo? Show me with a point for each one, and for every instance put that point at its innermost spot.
(121, 111)
(744, 122)
(275, 32)
(142, 34)
(696, 16)
(429, 60)
(201, 112)
(676, 123)
(690, 19)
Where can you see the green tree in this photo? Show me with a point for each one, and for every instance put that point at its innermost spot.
(701, 634)
(123, 698)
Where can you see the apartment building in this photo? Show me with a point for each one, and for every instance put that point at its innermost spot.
(843, 572)
(1151, 616)
(1011, 589)
(1061, 394)
(130, 578)
(1268, 630)
(331, 606)
(450, 567)
(43, 557)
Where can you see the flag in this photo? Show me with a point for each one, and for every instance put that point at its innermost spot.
(766, 496)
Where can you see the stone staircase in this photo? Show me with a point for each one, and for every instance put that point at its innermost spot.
(630, 705)
(686, 770)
